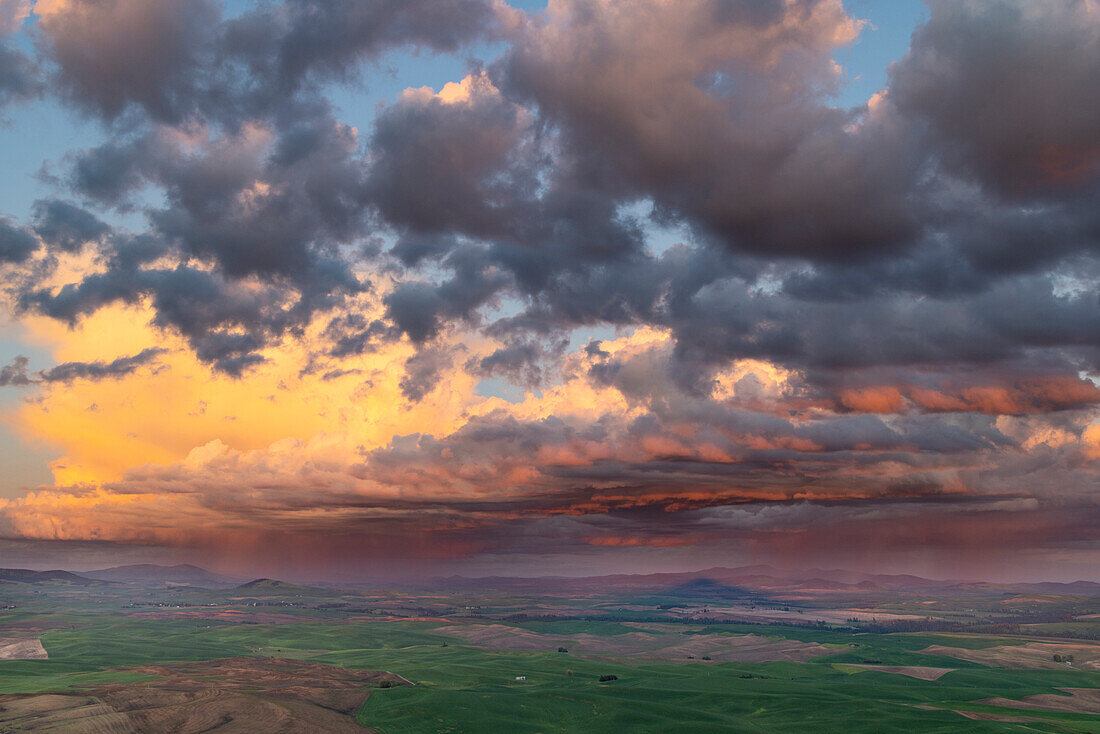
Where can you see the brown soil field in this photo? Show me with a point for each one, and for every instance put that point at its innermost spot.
(744, 648)
(913, 671)
(1029, 655)
(32, 627)
(1079, 701)
(22, 648)
(230, 696)
(986, 716)
(671, 646)
(664, 627)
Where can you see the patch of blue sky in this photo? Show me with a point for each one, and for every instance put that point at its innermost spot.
(498, 387)
(35, 137)
(884, 40)
(383, 81)
(582, 335)
(659, 236)
(24, 464)
(14, 342)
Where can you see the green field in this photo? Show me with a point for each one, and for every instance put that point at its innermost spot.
(100, 636)
(463, 689)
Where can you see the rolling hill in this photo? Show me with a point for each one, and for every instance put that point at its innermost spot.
(27, 576)
(151, 574)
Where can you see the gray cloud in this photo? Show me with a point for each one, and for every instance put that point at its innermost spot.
(273, 189)
(16, 243)
(1008, 92)
(721, 118)
(922, 256)
(19, 78)
(19, 73)
(66, 226)
(423, 371)
(69, 371)
(15, 373)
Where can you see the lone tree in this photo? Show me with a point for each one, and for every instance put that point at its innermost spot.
(606, 678)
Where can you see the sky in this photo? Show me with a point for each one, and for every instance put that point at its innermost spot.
(403, 287)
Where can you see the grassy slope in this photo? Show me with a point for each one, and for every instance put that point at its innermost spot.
(464, 689)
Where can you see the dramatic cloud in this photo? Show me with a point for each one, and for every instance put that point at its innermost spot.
(181, 59)
(1008, 92)
(226, 119)
(729, 313)
(717, 111)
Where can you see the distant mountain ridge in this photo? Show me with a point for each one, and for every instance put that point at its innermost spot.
(770, 580)
(263, 583)
(27, 576)
(266, 584)
(148, 573)
(718, 581)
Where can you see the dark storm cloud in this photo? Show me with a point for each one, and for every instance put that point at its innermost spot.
(19, 74)
(114, 53)
(882, 251)
(415, 308)
(937, 273)
(916, 275)
(423, 371)
(520, 360)
(287, 224)
(261, 201)
(66, 226)
(721, 118)
(727, 319)
(421, 309)
(453, 173)
(440, 167)
(19, 79)
(207, 309)
(225, 117)
(1008, 90)
(820, 237)
(651, 481)
(111, 172)
(330, 36)
(16, 243)
(352, 334)
(181, 59)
